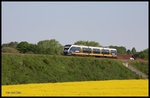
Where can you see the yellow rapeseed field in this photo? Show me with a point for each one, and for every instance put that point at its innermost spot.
(86, 88)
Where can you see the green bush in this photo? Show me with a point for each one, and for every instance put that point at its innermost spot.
(143, 54)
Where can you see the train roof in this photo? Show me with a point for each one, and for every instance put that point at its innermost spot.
(92, 47)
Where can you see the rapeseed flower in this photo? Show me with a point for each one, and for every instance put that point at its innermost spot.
(84, 88)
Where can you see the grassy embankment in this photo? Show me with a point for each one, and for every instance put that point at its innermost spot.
(22, 69)
(142, 66)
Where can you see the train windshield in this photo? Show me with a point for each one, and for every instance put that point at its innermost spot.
(66, 47)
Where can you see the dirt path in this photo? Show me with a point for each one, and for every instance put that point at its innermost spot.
(135, 70)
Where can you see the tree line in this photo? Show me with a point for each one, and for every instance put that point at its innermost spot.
(42, 47)
(53, 47)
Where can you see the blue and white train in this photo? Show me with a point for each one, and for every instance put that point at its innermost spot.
(89, 51)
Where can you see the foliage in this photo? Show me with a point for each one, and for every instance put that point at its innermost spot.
(50, 47)
(5, 45)
(133, 51)
(9, 50)
(120, 49)
(43, 47)
(32, 48)
(53, 47)
(143, 54)
(129, 52)
(44, 44)
(88, 43)
(11, 44)
(23, 47)
(22, 69)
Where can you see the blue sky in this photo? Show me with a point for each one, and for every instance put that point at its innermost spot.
(109, 23)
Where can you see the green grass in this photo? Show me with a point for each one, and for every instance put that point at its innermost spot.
(142, 66)
(22, 69)
(9, 50)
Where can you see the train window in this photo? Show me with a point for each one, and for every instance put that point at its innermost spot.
(113, 51)
(89, 49)
(86, 50)
(73, 48)
(96, 51)
(105, 51)
(66, 47)
(78, 48)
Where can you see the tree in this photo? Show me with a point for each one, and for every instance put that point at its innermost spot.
(32, 48)
(143, 54)
(5, 45)
(128, 51)
(44, 44)
(50, 47)
(13, 44)
(88, 43)
(133, 51)
(23, 47)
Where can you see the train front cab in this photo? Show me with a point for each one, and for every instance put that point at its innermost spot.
(66, 49)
